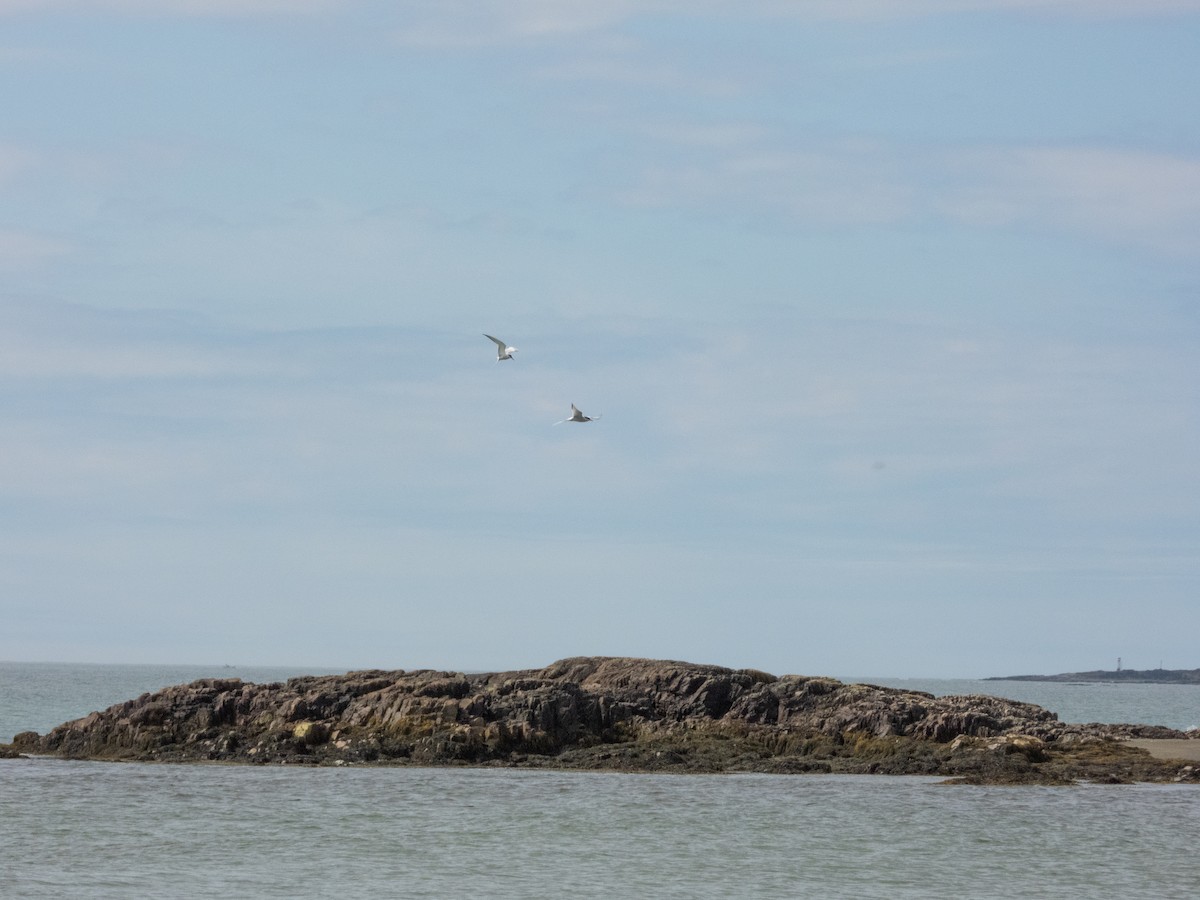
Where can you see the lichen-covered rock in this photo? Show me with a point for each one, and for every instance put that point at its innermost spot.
(598, 712)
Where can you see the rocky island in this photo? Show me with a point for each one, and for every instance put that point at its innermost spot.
(605, 713)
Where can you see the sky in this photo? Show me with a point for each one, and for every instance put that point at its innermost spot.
(890, 310)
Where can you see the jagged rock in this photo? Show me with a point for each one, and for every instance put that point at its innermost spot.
(311, 733)
(597, 712)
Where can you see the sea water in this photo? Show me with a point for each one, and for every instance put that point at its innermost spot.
(86, 829)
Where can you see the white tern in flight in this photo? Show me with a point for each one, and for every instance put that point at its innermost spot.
(577, 416)
(503, 351)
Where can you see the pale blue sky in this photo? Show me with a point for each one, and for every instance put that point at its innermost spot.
(891, 310)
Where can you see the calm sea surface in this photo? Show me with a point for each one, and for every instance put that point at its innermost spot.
(80, 829)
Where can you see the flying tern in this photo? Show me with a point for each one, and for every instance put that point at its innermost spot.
(503, 351)
(577, 416)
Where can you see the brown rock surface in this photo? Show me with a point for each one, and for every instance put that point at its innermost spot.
(606, 712)
(1169, 748)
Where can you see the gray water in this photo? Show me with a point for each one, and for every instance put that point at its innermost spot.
(74, 829)
(82, 829)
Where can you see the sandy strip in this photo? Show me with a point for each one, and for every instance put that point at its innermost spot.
(1169, 748)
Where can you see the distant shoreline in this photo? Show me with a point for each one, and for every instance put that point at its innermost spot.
(1117, 676)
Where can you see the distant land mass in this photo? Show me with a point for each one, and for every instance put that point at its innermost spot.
(1125, 676)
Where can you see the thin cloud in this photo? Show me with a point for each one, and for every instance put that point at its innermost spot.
(29, 55)
(877, 10)
(654, 76)
(56, 341)
(477, 23)
(182, 8)
(463, 24)
(709, 135)
(1124, 196)
(1129, 197)
(21, 250)
(69, 360)
(13, 161)
(851, 183)
(459, 23)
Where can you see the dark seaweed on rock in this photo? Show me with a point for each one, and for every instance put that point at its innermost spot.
(605, 713)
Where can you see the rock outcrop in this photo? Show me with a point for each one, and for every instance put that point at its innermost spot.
(602, 712)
